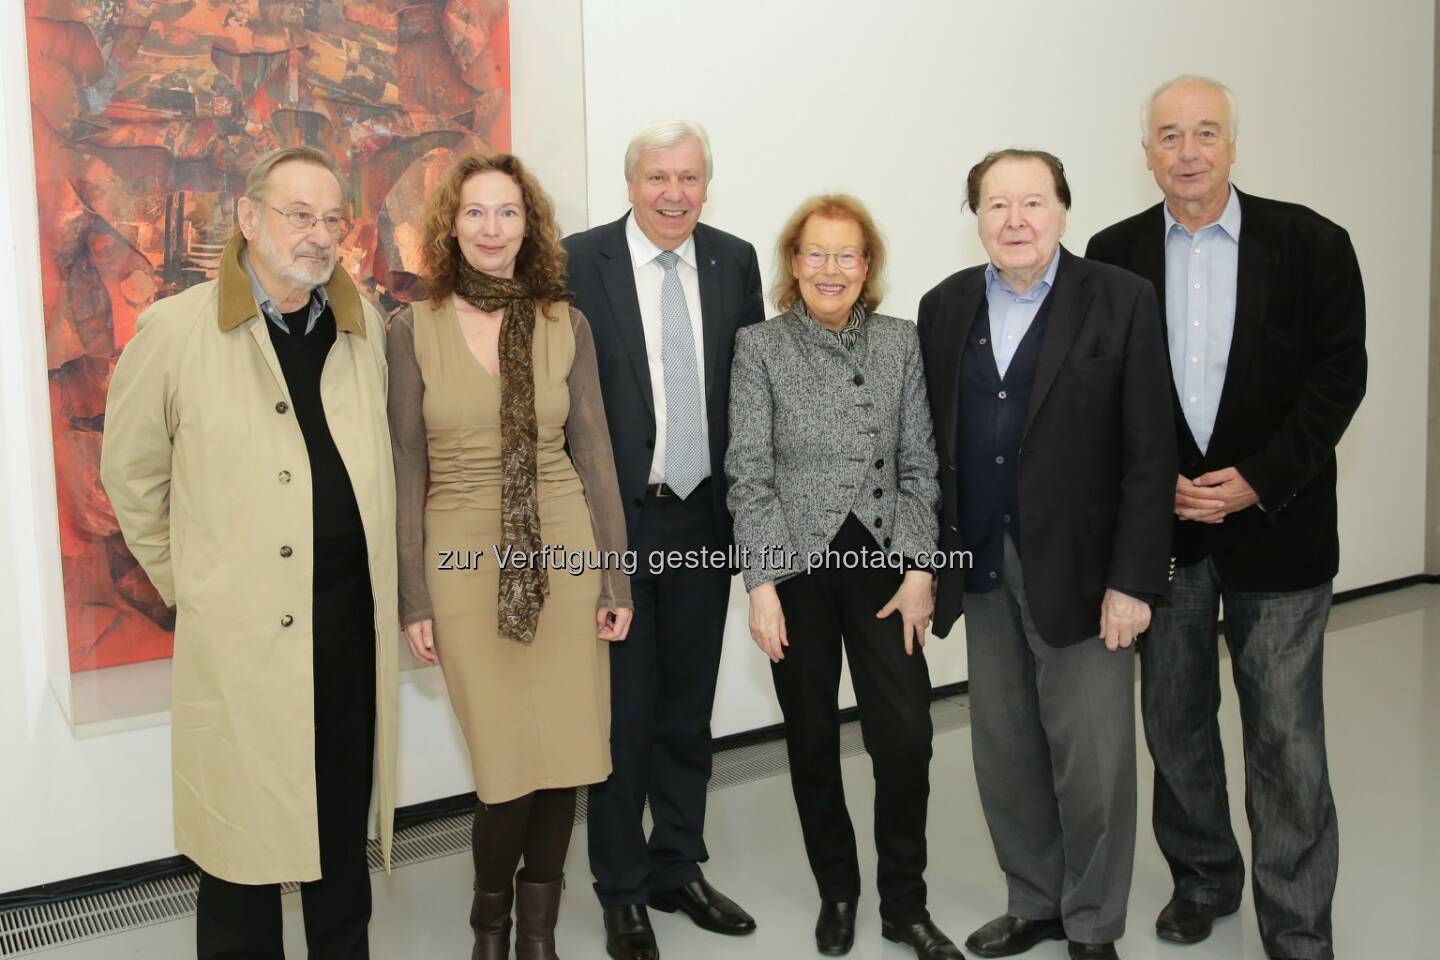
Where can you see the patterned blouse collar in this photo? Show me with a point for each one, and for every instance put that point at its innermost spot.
(849, 334)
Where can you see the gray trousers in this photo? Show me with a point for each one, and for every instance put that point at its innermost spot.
(1053, 732)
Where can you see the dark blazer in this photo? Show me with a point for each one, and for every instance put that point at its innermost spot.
(603, 281)
(1295, 378)
(1097, 457)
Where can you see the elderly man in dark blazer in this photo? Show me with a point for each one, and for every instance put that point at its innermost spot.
(1265, 314)
(1047, 382)
(832, 483)
(664, 295)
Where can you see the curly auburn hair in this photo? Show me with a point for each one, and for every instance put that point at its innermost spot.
(540, 263)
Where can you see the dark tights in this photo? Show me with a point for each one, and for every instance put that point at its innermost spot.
(536, 826)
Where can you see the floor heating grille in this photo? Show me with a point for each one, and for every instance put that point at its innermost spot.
(30, 930)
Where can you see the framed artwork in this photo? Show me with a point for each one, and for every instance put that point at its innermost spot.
(147, 115)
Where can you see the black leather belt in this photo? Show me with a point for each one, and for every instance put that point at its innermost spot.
(662, 491)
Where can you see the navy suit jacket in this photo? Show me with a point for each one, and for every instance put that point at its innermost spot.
(602, 278)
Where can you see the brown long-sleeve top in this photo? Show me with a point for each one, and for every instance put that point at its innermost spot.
(585, 435)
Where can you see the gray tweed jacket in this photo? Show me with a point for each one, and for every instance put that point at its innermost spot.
(818, 432)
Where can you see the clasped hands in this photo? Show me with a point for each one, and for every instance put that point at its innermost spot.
(1210, 497)
(914, 601)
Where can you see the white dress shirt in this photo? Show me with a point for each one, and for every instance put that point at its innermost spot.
(648, 276)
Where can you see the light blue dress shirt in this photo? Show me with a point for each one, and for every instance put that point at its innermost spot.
(319, 300)
(1200, 272)
(1011, 313)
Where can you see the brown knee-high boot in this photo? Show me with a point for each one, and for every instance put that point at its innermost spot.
(537, 908)
(490, 919)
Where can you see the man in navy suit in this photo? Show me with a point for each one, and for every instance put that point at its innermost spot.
(664, 295)
(1265, 317)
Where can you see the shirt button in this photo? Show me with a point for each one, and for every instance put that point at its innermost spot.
(994, 575)
(982, 341)
(1193, 400)
(281, 407)
(879, 493)
(859, 380)
(284, 476)
(887, 542)
(879, 523)
(1005, 517)
(1196, 251)
(1195, 323)
(1194, 359)
(1001, 394)
(1002, 459)
(285, 551)
(286, 620)
(1197, 285)
(879, 464)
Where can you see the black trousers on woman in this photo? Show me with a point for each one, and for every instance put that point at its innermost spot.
(826, 610)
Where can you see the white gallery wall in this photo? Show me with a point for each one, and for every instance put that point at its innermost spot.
(892, 102)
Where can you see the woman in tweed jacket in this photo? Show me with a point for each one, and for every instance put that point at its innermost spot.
(833, 486)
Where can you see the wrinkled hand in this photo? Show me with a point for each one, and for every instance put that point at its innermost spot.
(915, 600)
(1196, 503)
(422, 641)
(767, 622)
(1122, 619)
(613, 623)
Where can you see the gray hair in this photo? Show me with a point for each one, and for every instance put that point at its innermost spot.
(667, 133)
(255, 180)
(1188, 78)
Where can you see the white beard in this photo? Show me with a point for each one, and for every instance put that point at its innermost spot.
(300, 273)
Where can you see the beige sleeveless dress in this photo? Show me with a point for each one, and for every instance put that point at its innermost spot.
(534, 715)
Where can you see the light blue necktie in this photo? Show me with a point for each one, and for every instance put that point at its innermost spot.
(685, 454)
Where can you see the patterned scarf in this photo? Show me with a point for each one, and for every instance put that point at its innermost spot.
(524, 586)
(848, 334)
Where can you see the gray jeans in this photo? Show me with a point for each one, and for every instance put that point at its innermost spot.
(1276, 643)
(1053, 732)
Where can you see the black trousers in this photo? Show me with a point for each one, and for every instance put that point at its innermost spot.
(1277, 649)
(236, 921)
(825, 609)
(662, 687)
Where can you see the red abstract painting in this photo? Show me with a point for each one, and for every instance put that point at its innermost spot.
(147, 114)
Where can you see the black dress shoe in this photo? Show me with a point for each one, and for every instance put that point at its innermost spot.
(1093, 951)
(835, 930)
(925, 938)
(628, 934)
(709, 908)
(1185, 921)
(1008, 935)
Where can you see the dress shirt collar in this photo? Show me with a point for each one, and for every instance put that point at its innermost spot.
(319, 299)
(993, 279)
(1229, 218)
(642, 250)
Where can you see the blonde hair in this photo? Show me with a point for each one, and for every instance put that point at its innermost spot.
(837, 206)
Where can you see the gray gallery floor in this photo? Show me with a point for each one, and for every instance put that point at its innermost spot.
(1383, 700)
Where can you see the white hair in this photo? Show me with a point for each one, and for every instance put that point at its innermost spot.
(1189, 78)
(662, 134)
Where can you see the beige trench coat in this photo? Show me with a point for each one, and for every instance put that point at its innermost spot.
(206, 467)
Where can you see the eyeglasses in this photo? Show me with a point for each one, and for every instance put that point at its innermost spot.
(304, 221)
(845, 259)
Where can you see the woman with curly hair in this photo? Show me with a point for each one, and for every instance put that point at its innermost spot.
(508, 543)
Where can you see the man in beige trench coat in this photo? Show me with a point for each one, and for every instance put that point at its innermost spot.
(247, 456)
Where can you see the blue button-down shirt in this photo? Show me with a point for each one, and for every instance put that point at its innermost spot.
(319, 300)
(1200, 272)
(1011, 313)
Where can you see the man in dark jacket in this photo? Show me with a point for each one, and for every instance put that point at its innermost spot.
(1265, 317)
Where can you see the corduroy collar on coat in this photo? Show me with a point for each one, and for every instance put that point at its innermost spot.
(237, 301)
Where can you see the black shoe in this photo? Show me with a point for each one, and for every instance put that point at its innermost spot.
(1185, 921)
(628, 934)
(1008, 935)
(835, 930)
(709, 908)
(926, 939)
(1093, 951)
